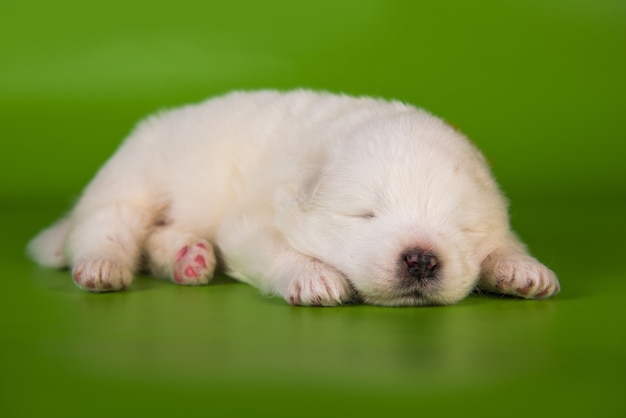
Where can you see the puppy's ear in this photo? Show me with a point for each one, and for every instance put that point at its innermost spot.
(309, 188)
(312, 176)
(293, 201)
(296, 196)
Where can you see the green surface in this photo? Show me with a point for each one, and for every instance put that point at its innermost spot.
(539, 86)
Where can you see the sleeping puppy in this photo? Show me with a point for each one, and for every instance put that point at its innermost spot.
(322, 199)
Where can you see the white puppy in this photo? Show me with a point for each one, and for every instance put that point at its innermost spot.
(319, 198)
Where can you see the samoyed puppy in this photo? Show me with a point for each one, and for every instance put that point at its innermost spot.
(319, 198)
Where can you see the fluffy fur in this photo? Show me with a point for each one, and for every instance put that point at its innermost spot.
(322, 199)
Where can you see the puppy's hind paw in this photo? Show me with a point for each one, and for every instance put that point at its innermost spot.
(194, 264)
(101, 275)
(319, 286)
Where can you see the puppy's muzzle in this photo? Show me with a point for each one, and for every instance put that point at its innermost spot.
(421, 265)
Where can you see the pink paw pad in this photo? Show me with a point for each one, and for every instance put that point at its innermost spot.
(182, 253)
(191, 266)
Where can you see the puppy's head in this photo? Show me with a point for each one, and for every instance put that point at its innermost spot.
(406, 210)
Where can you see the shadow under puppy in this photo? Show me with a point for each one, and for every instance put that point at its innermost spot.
(322, 199)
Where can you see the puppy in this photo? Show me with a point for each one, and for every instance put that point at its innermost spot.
(322, 199)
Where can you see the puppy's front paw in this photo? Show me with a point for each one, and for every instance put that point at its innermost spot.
(319, 285)
(525, 277)
(194, 264)
(101, 275)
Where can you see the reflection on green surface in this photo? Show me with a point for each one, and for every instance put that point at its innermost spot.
(538, 85)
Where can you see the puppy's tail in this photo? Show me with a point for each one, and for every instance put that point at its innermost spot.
(47, 247)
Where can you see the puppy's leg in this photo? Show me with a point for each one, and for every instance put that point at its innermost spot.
(511, 271)
(182, 257)
(103, 246)
(256, 253)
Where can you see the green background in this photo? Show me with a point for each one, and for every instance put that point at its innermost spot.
(537, 84)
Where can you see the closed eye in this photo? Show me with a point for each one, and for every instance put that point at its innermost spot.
(364, 215)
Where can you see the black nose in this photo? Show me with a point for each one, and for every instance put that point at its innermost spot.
(421, 264)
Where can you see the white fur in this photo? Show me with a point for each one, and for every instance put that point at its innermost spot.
(312, 196)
